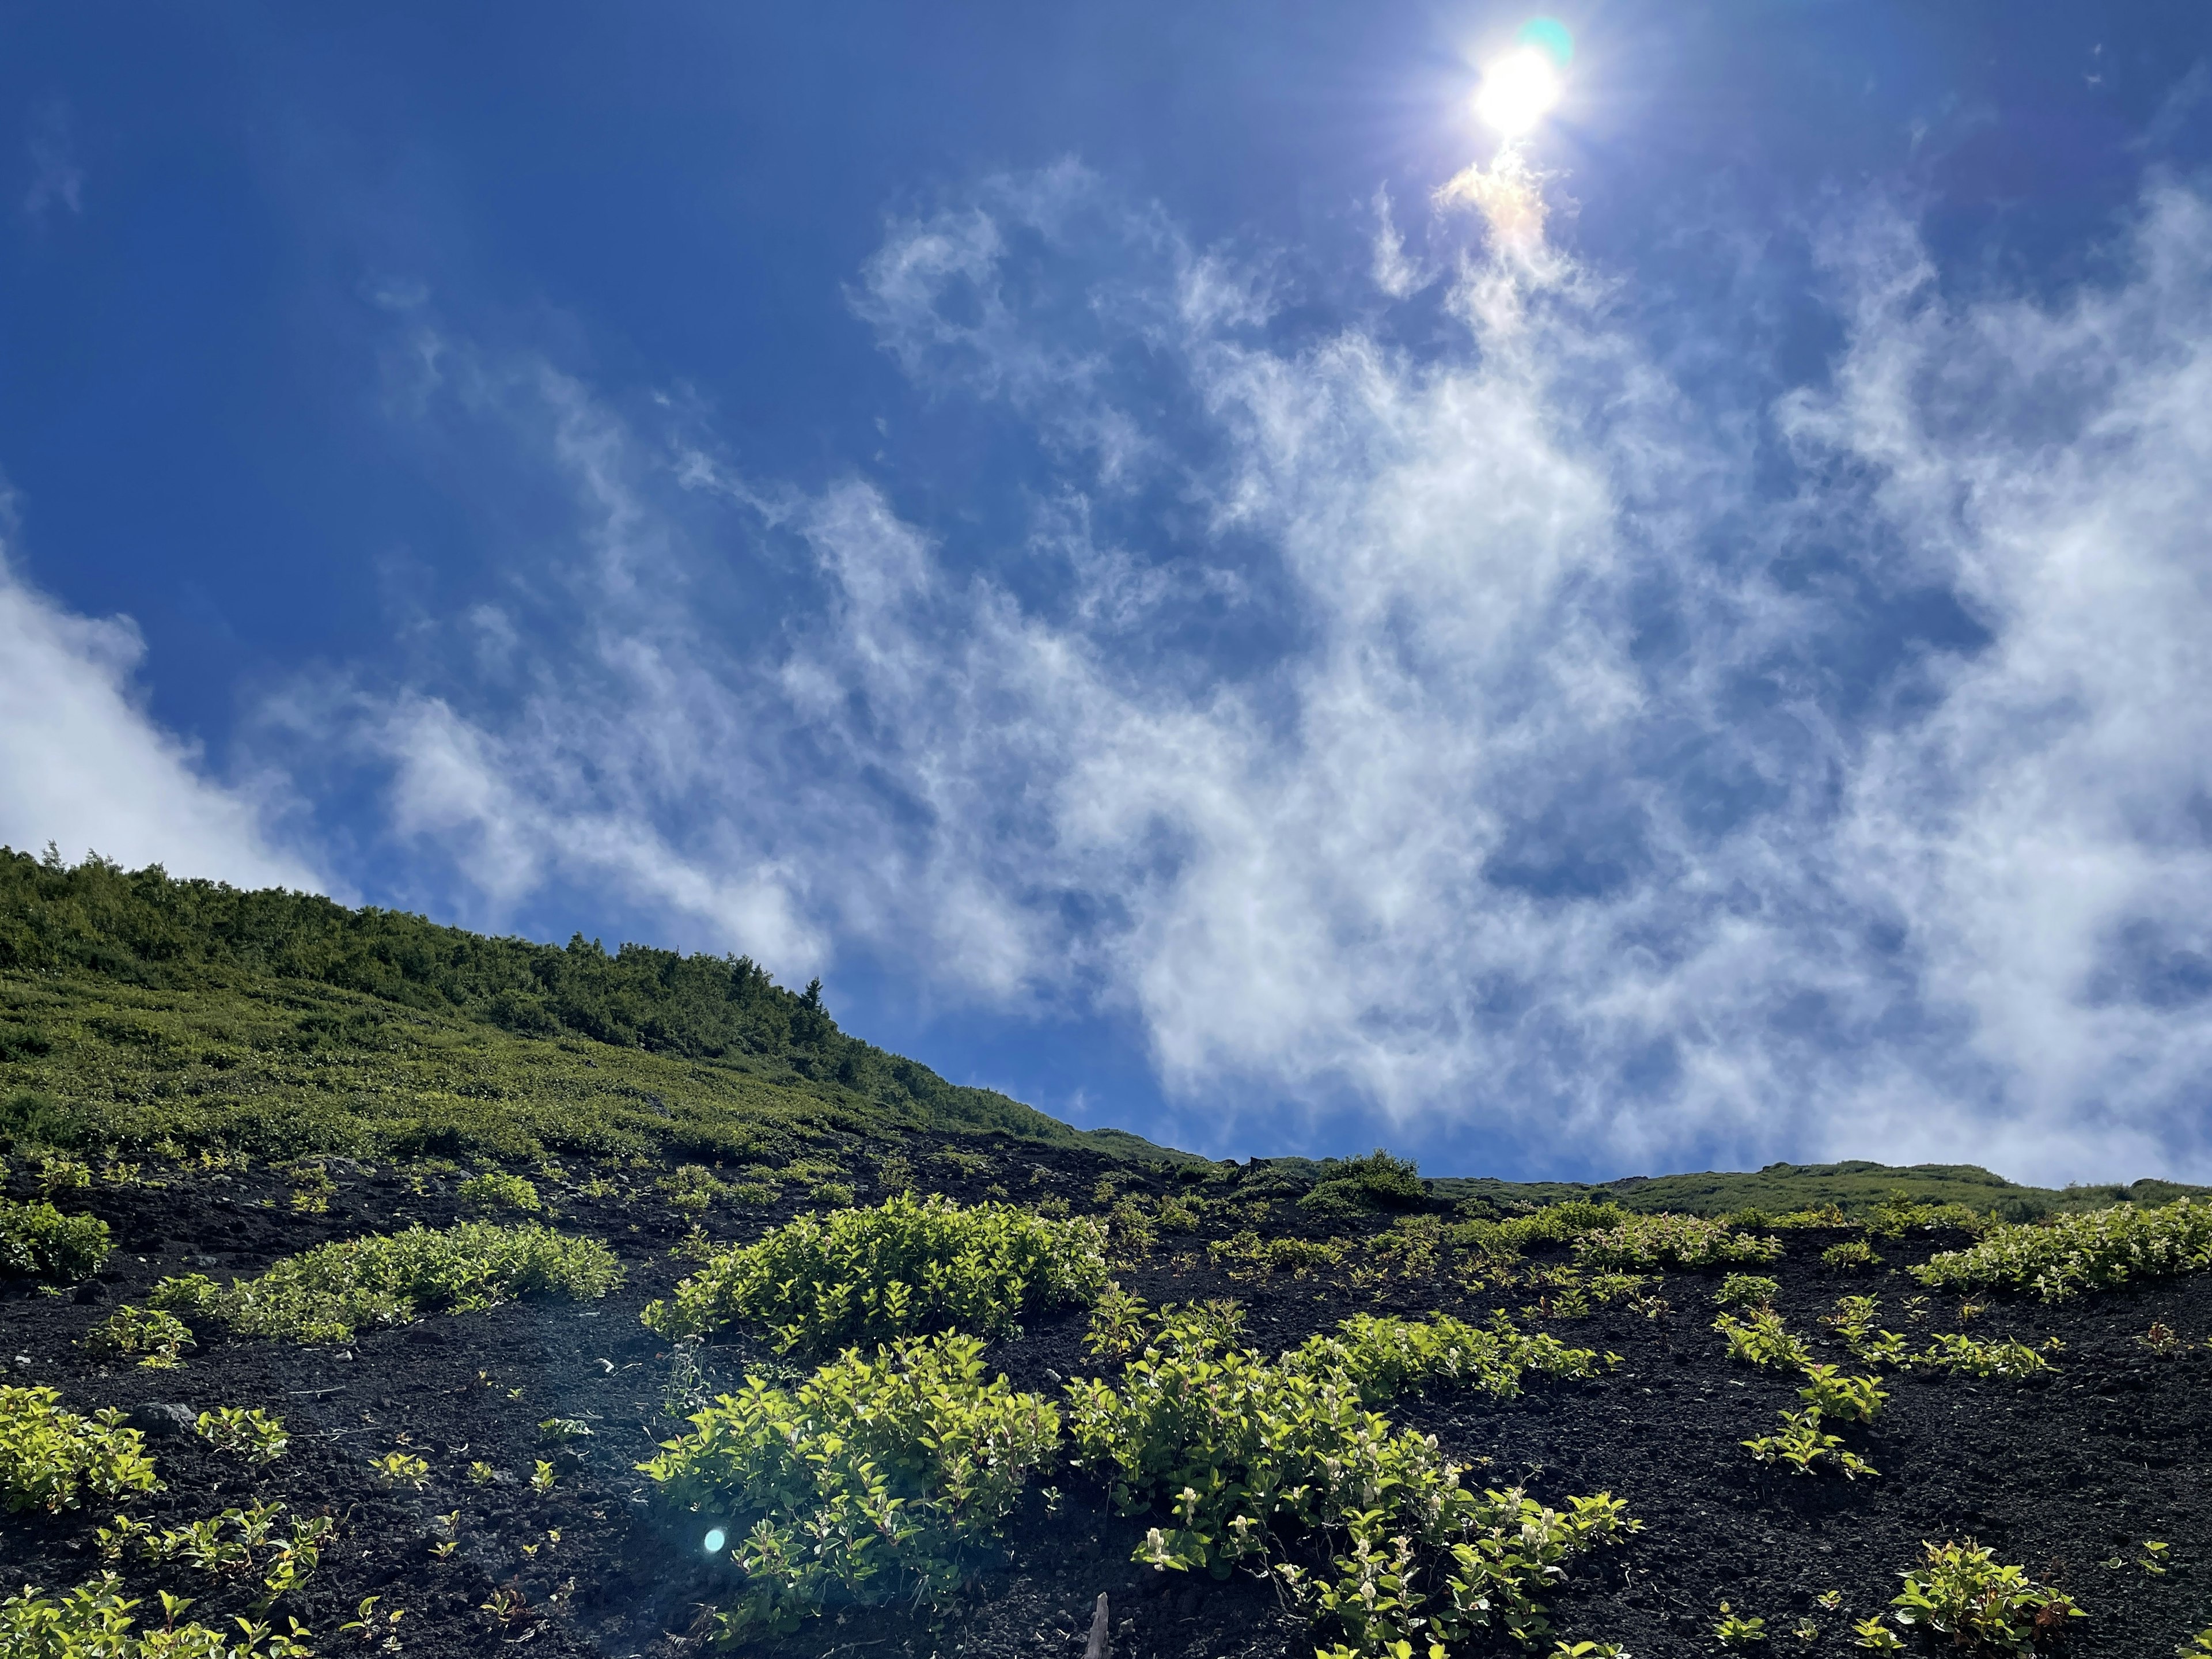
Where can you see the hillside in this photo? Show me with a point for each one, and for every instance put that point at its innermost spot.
(136, 1009)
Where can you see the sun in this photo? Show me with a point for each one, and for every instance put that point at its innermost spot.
(1517, 90)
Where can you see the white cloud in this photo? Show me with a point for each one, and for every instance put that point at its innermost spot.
(1531, 809)
(56, 177)
(83, 765)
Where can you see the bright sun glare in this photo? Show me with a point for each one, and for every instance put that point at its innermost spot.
(1516, 90)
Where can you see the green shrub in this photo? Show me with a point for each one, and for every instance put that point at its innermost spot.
(1963, 1355)
(1245, 1453)
(1648, 1242)
(2070, 1254)
(1381, 1357)
(1248, 1254)
(1846, 1399)
(328, 1293)
(1803, 1444)
(906, 1265)
(1959, 1591)
(830, 1196)
(244, 1430)
(1852, 1256)
(48, 1455)
(159, 1336)
(1741, 1290)
(37, 1241)
(752, 1194)
(94, 1621)
(1897, 1214)
(871, 1481)
(1763, 1340)
(494, 1191)
(1555, 1224)
(693, 1190)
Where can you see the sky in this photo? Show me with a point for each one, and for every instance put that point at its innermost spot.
(1190, 577)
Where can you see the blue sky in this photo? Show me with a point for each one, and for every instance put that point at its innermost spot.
(1185, 577)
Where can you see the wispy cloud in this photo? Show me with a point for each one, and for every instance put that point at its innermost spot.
(83, 765)
(56, 180)
(1545, 781)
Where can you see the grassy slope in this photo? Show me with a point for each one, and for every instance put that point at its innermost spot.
(134, 1008)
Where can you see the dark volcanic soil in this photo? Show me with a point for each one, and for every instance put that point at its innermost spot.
(2068, 1475)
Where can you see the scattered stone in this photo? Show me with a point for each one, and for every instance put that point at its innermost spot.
(160, 1421)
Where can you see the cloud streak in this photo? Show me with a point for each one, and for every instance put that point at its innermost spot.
(1476, 739)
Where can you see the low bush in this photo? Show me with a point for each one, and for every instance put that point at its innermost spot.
(1648, 1241)
(1763, 1340)
(1846, 1399)
(1383, 1358)
(333, 1291)
(244, 1431)
(830, 1196)
(1962, 1355)
(160, 1337)
(37, 1241)
(96, 1621)
(2070, 1254)
(1555, 1224)
(48, 1457)
(1803, 1442)
(906, 1265)
(1960, 1592)
(1746, 1290)
(872, 1480)
(1246, 1453)
(494, 1191)
(1247, 1255)
(1851, 1256)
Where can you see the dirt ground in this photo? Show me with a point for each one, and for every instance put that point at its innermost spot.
(2069, 1474)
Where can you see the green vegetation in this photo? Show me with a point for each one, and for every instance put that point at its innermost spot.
(1855, 1189)
(1352, 1186)
(1803, 1442)
(1959, 1591)
(1648, 1242)
(137, 1010)
(494, 1191)
(96, 1622)
(1851, 1256)
(1762, 1339)
(1746, 1291)
(37, 1241)
(162, 1338)
(229, 1545)
(873, 1479)
(906, 1265)
(1846, 1399)
(50, 1457)
(1244, 1452)
(2077, 1252)
(330, 1292)
(1963, 1356)
(246, 1431)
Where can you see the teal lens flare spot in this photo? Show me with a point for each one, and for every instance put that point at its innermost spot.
(715, 1539)
(1555, 38)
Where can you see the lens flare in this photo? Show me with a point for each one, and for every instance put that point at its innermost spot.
(715, 1539)
(1516, 90)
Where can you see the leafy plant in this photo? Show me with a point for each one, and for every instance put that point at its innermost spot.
(1843, 1398)
(1377, 1182)
(94, 1621)
(1961, 1591)
(49, 1456)
(399, 1468)
(37, 1241)
(1746, 1290)
(1852, 1256)
(830, 1196)
(1801, 1444)
(1959, 1353)
(1763, 1340)
(1118, 1324)
(495, 1191)
(872, 1480)
(2069, 1254)
(330, 1292)
(1875, 1637)
(160, 1337)
(1734, 1630)
(1649, 1242)
(1247, 1255)
(906, 1265)
(244, 1430)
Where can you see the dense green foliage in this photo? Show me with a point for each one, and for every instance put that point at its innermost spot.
(37, 1241)
(50, 1457)
(1960, 1592)
(98, 1621)
(1642, 1242)
(2072, 1253)
(1377, 1182)
(873, 1479)
(330, 1292)
(906, 1265)
(136, 1009)
(1855, 1188)
(1248, 1453)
